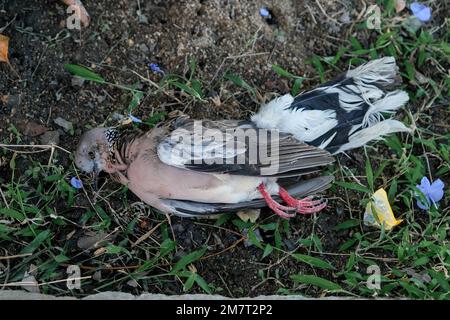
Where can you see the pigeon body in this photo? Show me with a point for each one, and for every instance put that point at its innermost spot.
(342, 114)
(192, 168)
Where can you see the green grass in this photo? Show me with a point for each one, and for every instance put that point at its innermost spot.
(41, 213)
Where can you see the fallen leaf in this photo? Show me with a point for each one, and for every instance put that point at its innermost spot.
(192, 268)
(99, 251)
(400, 5)
(97, 276)
(29, 282)
(379, 211)
(91, 240)
(133, 283)
(11, 101)
(31, 128)
(70, 234)
(249, 215)
(4, 45)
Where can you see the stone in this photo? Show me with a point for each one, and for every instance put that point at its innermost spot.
(63, 123)
(50, 137)
(77, 81)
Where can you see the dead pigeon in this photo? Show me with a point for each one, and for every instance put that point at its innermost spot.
(342, 114)
(197, 168)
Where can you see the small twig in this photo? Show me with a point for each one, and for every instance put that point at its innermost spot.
(51, 156)
(39, 146)
(4, 199)
(29, 283)
(147, 234)
(6, 26)
(311, 14)
(226, 286)
(39, 61)
(16, 256)
(325, 14)
(224, 250)
(103, 268)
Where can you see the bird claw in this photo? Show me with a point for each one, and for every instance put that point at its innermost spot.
(280, 210)
(303, 206)
(276, 207)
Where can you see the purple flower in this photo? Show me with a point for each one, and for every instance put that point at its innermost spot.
(76, 183)
(433, 192)
(421, 11)
(264, 12)
(155, 68)
(134, 119)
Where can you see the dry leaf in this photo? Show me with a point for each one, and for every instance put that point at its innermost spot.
(31, 128)
(4, 45)
(29, 282)
(91, 240)
(192, 268)
(133, 283)
(400, 5)
(11, 101)
(99, 251)
(249, 215)
(379, 206)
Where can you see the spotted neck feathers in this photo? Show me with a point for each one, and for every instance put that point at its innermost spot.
(119, 139)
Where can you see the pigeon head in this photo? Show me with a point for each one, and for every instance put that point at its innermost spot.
(94, 149)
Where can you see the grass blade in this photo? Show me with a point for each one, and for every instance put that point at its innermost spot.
(83, 72)
(313, 261)
(188, 259)
(316, 281)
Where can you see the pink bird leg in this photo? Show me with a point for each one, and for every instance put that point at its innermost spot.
(302, 206)
(275, 206)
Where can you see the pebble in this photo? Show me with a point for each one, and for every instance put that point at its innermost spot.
(117, 116)
(142, 18)
(248, 243)
(77, 81)
(63, 123)
(143, 48)
(345, 18)
(50, 137)
(10, 101)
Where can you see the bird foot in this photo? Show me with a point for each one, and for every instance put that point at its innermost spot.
(276, 207)
(303, 206)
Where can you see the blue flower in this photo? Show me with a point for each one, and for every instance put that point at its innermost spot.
(421, 11)
(433, 192)
(155, 68)
(264, 12)
(76, 183)
(134, 119)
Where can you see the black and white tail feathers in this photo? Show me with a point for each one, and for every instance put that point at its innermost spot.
(344, 113)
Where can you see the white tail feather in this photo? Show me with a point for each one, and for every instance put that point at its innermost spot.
(389, 104)
(381, 72)
(375, 132)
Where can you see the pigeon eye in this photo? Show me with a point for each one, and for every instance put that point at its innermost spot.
(91, 154)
